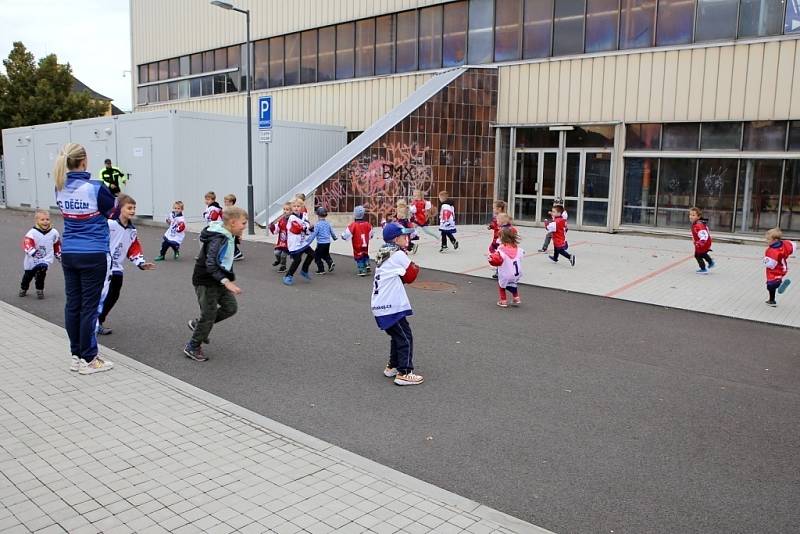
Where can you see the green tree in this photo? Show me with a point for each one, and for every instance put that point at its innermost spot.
(40, 92)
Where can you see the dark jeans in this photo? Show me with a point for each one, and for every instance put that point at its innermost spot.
(560, 252)
(547, 237)
(84, 275)
(296, 258)
(323, 253)
(773, 286)
(445, 237)
(280, 256)
(110, 295)
(166, 245)
(216, 304)
(401, 353)
(39, 272)
(702, 259)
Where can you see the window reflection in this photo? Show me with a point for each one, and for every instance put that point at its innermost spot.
(345, 50)
(430, 38)
(568, 19)
(760, 187)
(537, 28)
(601, 25)
(637, 23)
(675, 22)
(220, 58)
(765, 135)
(760, 17)
(721, 136)
(454, 43)
(196, 63)
(481, 23)
(308, 60)
(261, 62)
(716, 19)
(406, 41)
(276, 62)
(639, 191)
(643, 137)
(716, 191)
(680, 136)
(292, 61)
(365, 47)
(508, 30)
(384, 45)
(790, 202)
(327, 59)
(675, 191)
(174, 68)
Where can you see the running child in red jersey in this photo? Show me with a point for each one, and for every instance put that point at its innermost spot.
(702, 240)
(359, 232)
(776, 261)
(558, 227)
(420, 210)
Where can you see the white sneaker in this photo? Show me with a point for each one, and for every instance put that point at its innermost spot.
(95, 366)
(390, 372)
(408, 379)
(75, 364)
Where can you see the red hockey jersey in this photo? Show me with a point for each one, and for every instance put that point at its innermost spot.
(776, 257)
(701, 237)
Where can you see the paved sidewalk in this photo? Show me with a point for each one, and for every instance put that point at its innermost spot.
(652, 269)
(134, 450)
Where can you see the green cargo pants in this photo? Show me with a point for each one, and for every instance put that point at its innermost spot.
(216, 304)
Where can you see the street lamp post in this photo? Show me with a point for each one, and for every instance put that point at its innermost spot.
(248, 123)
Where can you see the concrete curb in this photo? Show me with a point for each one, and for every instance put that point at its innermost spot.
(379, 471)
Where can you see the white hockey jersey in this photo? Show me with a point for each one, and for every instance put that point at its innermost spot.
(177, 228)
(510, 271)
(124, 243)
(40, 247)
(389, 299)
(297, 233)
(447, 217)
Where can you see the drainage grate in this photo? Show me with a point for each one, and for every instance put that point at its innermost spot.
(433, 286)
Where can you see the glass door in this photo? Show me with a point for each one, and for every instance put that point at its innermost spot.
(596, 185)
(536, 184)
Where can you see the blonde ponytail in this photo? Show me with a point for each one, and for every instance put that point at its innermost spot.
(68, 159)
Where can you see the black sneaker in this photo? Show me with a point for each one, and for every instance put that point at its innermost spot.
(282, 269)
(772, 303)
(330, 267)
(276, 263)
(238, 256)
(455, 245)
(192, 325)
(572, 260)
(320, 271)
(23, 292)
(495, 275)
(194, 353)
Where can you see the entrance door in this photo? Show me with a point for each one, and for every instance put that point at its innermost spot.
(140, 175)
(536, 184)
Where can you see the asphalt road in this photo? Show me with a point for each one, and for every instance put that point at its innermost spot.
(576, 413)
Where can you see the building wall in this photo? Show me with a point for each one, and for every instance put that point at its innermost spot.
(354, 104)
(756, 81)
(165, 29)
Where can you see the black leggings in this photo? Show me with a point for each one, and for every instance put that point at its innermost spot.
(445, 237)
(296, 258)
(111, 296)
(560, 252)
(772, 286)
(39, 273)
(702, 259)
(323, 253)
(166, 245)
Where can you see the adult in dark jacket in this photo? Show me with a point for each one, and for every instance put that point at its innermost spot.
(213, 278)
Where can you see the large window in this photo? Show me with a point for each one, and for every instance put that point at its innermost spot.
(508, 30)
(637, 23)
(716, 191)
(454, 42)
(384, 45)
(143, 75)
(196, 61)
(675, 191)
(680, 136)
(327, 54)
(765, 135)
(792, 17)
(407, 41)
(276, 62)
(568, 19)
(601, 25)
(174, 68)
(308, 61)
(757, 206)
(292, 61)
(721, 136)
(208, 61)
(716, 19)
(430, 38)
(537, 27)
(675, 22)
(345, 50)
(760, 17)
(639, 191)
(163, 70)
(220, 58)
(643, 137)
(790, 201)
(481, 24)
(365, 47)
(184, 66)
(261, 62)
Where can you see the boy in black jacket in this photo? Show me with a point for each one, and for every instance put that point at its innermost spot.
(213, 278)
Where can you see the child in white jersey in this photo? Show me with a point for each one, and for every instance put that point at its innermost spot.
(390, 304)
(41, 244)
(173, 237)
(508, 260)
(213, 211)
(123, 243)
(447, 221)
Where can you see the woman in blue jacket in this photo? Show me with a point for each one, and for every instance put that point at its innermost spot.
(86, 206)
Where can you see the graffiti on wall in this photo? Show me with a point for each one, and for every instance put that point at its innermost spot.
(378, 182)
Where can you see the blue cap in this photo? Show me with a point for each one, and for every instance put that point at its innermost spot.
(359, 212)
(393, 230)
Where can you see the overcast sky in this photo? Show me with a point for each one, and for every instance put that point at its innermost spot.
(93, 36)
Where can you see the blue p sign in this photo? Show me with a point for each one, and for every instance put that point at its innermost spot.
(264, 112)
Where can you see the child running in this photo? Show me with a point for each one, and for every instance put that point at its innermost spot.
(420, 210)
(702, 240)
(41, 244)
(558, 227)
(281, 250)
(508, 260)
(447, 221)
(324, 234)
(549, 235)
(390, 304)
(359, 232)
(402, 213)
(123, 243)
(213, 211)
(213, 279)
(503, 221)
(230, 200)
(776, 259)
(173, 237)
(298, 242)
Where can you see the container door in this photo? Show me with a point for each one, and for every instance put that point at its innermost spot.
(140, 175)
(25, 175)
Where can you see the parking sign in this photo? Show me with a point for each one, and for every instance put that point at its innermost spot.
(264, 112)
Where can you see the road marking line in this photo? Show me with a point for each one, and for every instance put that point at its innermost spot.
(647, 277)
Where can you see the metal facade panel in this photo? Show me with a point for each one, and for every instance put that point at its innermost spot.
(596, 88)
(657, 87)
(645, 82)
(769, 80)
(696, 88)
(785, 88)
(725, 82)
(708, 105)
(670, 86)
(632, 87)
(738, 79)
(755, 66)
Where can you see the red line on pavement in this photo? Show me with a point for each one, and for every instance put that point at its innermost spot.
(647, 277)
